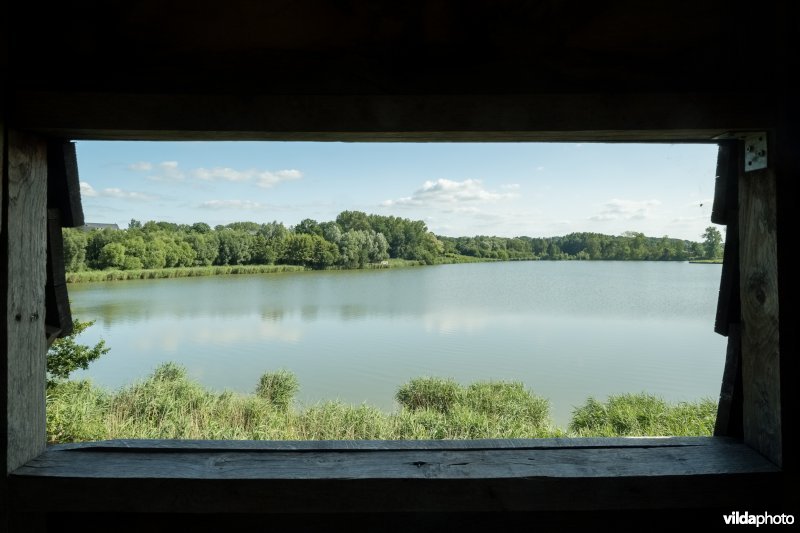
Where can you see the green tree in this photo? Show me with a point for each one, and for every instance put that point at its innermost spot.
(308, 226)
(65, 355)
(712, 243)
(201, 227)
(112, 256)
(155, 255)
(74, 249)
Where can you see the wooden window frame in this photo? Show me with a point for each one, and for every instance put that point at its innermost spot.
(371, 477)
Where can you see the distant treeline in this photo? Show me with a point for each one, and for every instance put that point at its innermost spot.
(354, 240)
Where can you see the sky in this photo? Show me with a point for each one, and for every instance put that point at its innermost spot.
(503, 189)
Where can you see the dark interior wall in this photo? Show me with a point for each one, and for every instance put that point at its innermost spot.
(415, 47)
(431, 70)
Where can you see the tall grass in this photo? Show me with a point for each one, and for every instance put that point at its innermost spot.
(181, 272)
(643, 414)
(169, 405)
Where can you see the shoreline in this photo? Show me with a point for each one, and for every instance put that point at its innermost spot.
(92, 276)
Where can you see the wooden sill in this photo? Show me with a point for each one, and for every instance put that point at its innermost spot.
(395, 476)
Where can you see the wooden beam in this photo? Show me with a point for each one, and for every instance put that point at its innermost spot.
(25, 239)
(729, 408)
(267, 477)
(63, 183)
(602, 117)
(58, 314)
(726, 211)
(759, 301)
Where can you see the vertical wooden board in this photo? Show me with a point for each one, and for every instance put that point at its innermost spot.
(759, 308)
(26, 270)
(58, 314)
(63, 185)
(729, 408)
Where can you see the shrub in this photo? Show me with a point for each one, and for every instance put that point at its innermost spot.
(439, 394)
(643, 415)
(278, 388)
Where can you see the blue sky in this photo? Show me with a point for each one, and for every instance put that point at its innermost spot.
(505, 189)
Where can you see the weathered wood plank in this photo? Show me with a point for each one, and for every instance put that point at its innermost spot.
(759, 300)
(601, 117)
(729, 409)
(57, 309)
(25, 345)
(63, 183)
(727, 177)
(178, 446)
(722, 458)
(723, 472)
(726, 211)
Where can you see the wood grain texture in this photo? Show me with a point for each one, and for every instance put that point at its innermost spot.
(729, 408)
(181, 446)
(759, 301)
(63, 183)
(57, 308)
(26, 343)
(395, 117)
(374, 480)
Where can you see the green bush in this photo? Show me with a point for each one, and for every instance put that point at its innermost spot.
(504, 398)
(65, 355)
(643, 415)
(439, 394)
(278, 388)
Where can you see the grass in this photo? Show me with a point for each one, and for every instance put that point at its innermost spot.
(181, 272)
(85, 276)
(628, 415)
(169, 405)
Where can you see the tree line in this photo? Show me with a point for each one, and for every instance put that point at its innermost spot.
(353, 240)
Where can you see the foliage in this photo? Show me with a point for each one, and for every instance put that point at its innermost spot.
(712, 243)
(169, 405)
(162, 273)
(76, 411)
(65, 355)
(353, 240)
(643, 415)
(278, 388)
(436, 394)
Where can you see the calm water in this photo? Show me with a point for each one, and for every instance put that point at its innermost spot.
(568, 330)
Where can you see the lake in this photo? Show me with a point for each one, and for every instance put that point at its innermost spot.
(567, 329)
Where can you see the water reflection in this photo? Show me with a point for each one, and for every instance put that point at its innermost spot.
(567, 329)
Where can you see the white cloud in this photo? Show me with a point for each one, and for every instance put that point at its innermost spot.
(113, 192)
(166, 171)
(510, 186)
(262, 178)
(268, 179)
(617, 209)
(243, 205)
(87, 190)
(444, 191)
(131, 195)
(171, 171)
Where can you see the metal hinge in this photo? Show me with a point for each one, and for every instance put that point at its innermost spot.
(755, 148)
(755, 151)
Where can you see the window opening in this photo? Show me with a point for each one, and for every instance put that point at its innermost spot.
(582, 290)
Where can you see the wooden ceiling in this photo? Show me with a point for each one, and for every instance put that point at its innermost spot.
(96, 60)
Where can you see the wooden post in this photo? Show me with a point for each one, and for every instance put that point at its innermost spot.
(759, 309)
(23, 349)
